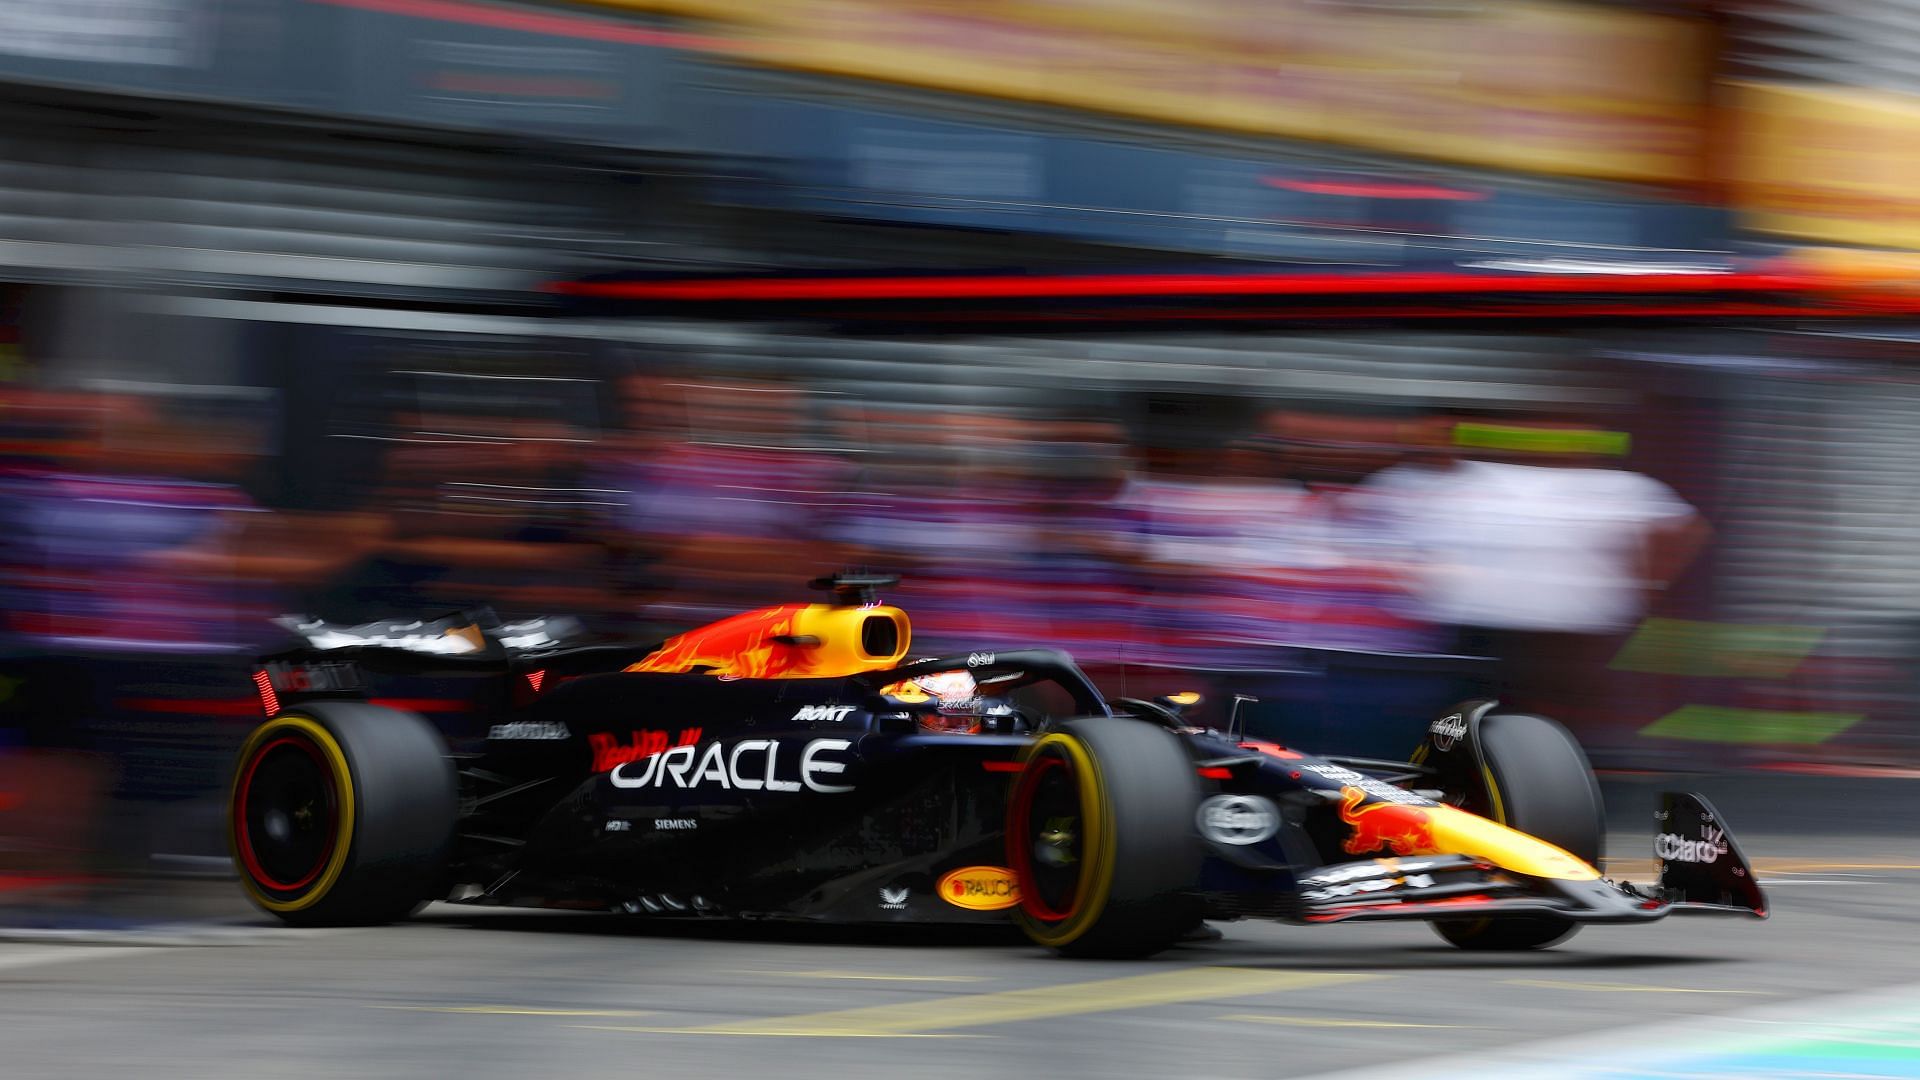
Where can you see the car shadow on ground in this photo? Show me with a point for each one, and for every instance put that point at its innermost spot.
(1568, 957)
(1228, 951)
(602, 924)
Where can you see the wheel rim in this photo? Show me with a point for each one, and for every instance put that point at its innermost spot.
(286, 815)
(1049, 840)
(291, 813)
(1058, 809)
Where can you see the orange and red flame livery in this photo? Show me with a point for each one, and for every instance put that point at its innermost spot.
(1408, 830)
(792, 641)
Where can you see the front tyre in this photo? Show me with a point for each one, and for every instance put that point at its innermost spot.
(1538, 781)
(1100, 838)
(341, 814)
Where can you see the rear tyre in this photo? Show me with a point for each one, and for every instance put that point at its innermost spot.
(1537, 781)
(1100, 838)
(341, 814)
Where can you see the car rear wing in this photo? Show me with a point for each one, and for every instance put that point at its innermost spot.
(333, 660)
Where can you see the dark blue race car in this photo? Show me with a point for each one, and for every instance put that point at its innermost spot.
(794, 763)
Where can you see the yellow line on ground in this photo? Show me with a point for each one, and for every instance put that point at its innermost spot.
(511, 1010)
(1324, 1021)
(946, 1013)
(1619, 988)
(868, 976)
(1617, 867)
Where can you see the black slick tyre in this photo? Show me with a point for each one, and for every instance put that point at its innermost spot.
(1537, 780)
(1100, 838)
(341, 814)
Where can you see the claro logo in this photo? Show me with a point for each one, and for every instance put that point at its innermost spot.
(1672, 847)
(980, 888)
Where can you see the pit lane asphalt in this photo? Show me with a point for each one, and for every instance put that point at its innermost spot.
(512, 994)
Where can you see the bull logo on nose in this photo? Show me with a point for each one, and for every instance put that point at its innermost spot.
(1408, 830)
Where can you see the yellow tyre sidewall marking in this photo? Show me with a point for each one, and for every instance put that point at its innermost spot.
(343, 794)
(1097, 847)
(1493, 793)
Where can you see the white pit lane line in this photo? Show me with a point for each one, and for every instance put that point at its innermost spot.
(13, 958)
(1826, 877)
(1686, 1049)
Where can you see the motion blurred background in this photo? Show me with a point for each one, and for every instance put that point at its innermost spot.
(1601, 396)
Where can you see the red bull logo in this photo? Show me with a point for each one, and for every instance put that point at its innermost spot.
(1408, 830)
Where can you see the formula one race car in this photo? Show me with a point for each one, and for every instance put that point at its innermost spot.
(792, 763)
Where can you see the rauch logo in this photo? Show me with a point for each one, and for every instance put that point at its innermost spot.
(980, 888)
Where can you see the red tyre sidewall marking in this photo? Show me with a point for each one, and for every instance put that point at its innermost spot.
(251, 861)
(1019, 845)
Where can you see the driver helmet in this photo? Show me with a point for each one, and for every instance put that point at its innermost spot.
(949, 702)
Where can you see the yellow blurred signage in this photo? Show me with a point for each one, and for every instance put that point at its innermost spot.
(1828, 163)
(1536, 85)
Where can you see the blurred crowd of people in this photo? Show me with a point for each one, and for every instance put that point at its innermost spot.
(1197, 535)
(1205, 539)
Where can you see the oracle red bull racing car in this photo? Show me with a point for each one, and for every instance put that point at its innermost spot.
(793, 763)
